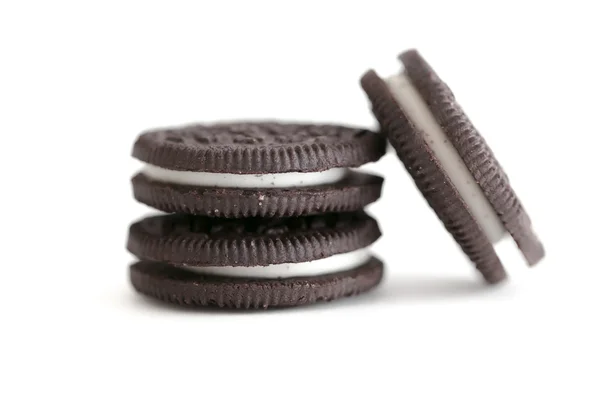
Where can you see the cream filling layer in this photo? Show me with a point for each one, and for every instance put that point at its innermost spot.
(282, 180)
(327, 265)
(421, 116)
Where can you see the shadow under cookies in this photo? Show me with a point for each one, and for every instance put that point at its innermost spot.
(424, 289)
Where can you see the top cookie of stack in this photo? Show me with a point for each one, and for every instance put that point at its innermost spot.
(263, 169)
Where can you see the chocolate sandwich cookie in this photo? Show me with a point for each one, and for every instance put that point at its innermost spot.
(238, 170)
(254, 262)
(451, 164)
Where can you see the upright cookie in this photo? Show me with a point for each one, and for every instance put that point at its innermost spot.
(254, 262)
(451, 164)
(263, 169)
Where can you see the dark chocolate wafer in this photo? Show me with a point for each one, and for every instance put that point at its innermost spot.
(182, 287)
(204, 241)
(259, 147)
(352, 193)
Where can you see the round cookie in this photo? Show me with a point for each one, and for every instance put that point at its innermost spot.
(254, 262)
(185, 288)
(264, 169)
(203, 241)
(451, 164)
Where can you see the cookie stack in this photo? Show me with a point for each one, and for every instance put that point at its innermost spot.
(269, 214)
(259, 214)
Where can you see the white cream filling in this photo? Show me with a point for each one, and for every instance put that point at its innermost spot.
(418, 112)
(282, 180)
(327, 265)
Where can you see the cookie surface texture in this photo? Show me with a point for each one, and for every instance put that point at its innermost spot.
(259, 148)
(266, 169)
(202, 241)
(174, 285)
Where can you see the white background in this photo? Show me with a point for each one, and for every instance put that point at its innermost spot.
(79, 82)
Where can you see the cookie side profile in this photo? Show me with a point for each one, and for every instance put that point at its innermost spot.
(186, 288)
(353, 192)
(431, 180)
(254, 262)
(339, 239)
(257, 169)
(416, 107)
(475, 153)
(259, 148)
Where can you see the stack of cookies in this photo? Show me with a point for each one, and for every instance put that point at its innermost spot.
(258, 215)
(269, 214)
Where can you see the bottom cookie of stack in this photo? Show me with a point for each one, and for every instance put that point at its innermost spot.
(254, 262)
(186, 288)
